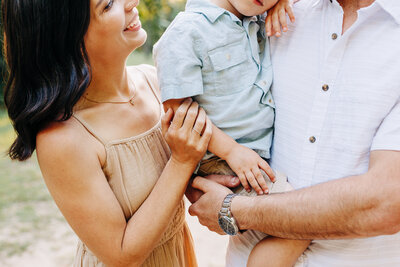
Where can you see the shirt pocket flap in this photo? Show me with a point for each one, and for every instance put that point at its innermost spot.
(227, 56)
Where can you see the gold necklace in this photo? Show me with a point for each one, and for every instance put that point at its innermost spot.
(130, 101)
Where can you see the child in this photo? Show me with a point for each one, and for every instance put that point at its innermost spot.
(217, 53)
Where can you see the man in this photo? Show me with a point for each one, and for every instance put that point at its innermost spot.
(337, 137)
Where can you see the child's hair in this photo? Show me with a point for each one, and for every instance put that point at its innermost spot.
(48, 66)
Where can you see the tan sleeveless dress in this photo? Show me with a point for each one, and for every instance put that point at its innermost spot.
(133, 166)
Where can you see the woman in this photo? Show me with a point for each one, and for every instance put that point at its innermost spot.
(96, 127)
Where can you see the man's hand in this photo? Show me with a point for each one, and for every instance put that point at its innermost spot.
(206, 208)
(194, 194)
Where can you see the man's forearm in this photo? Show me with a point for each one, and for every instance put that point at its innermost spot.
(352, 207)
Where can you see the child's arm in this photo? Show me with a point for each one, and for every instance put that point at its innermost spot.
(243, 161)
(276, 17)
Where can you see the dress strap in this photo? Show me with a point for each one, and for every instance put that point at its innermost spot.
(150, 83)
(89, 129)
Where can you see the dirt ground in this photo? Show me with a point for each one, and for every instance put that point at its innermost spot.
(53, 243)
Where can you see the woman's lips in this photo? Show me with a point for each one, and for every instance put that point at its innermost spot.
(135, 25)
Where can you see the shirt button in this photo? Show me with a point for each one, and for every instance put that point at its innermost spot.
(325, 87)
(228, 56)
(264, 82)
(312, 139)
(334, 36)
(270, 101)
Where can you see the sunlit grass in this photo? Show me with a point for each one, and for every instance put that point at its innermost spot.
(7, 134)
(22, 191)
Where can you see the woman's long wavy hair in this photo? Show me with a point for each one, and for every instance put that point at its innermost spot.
(48, 66)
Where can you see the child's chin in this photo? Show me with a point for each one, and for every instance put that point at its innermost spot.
(252, 13)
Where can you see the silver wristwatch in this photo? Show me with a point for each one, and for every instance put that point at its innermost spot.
(225, 218)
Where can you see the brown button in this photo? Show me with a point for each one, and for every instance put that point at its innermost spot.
(325, 87)
(334, 36)
(312, 139)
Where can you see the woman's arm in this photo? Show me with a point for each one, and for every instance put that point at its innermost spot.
(73, 174)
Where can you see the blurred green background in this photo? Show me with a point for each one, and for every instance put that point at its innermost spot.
(28, 215)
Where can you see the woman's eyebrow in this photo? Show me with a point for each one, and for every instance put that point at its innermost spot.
(99, 3)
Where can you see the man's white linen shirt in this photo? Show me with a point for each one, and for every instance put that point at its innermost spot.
(337, 99)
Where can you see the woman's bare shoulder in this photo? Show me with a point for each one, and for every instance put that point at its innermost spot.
(63, 140)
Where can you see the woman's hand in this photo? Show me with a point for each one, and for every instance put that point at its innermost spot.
(276, 17)
(187, 132)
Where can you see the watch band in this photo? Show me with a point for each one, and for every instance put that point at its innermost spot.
(226, 205)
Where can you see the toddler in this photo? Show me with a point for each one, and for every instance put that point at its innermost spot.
(217, 53)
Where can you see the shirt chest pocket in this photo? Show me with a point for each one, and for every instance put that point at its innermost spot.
(230, 66)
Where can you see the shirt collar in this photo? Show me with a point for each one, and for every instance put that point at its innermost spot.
(209, 10)
(392, 7)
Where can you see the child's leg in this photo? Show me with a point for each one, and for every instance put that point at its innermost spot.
(276, 252)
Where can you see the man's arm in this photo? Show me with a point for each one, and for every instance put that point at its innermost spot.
(358, 206)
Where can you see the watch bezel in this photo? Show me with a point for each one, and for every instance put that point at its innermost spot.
(228, 225)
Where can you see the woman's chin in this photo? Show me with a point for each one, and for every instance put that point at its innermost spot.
(140, 39)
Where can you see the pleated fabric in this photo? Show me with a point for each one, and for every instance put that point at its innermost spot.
(133, 166)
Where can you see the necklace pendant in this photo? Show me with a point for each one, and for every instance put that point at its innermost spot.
(132, 102)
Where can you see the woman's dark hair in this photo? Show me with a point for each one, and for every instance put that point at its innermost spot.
(47, 62)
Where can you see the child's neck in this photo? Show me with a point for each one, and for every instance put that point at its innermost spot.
(225, 4)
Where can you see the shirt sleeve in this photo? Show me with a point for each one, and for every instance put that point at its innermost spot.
(388, 135)
(178, 62)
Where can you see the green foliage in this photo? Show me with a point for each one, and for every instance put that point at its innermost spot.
(156, 15)
(2, 69)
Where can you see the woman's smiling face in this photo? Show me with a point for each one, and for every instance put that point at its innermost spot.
(114, 30)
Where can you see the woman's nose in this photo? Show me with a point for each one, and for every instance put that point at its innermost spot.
(131, 4)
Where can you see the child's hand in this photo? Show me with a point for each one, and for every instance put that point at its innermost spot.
(246, 164)
(276, 17)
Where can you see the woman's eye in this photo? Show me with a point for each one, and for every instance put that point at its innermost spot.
(109, 5)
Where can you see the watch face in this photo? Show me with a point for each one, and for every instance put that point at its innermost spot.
(227, 225)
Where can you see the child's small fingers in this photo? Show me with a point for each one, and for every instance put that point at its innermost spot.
(260, 179)
(253, 182)
(267, 169)
(289, 11)
(268, 26)
(283, 20)
(243, 181)
(276, 26)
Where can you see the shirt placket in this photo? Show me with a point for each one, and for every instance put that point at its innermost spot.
(252, 29)
(331, 54)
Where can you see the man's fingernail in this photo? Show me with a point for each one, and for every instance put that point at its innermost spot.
(233, 180)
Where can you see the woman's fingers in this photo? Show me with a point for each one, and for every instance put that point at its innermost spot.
(180, 113)
(200, 123)
(191, 117)
(166, 120)
(206, 135)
